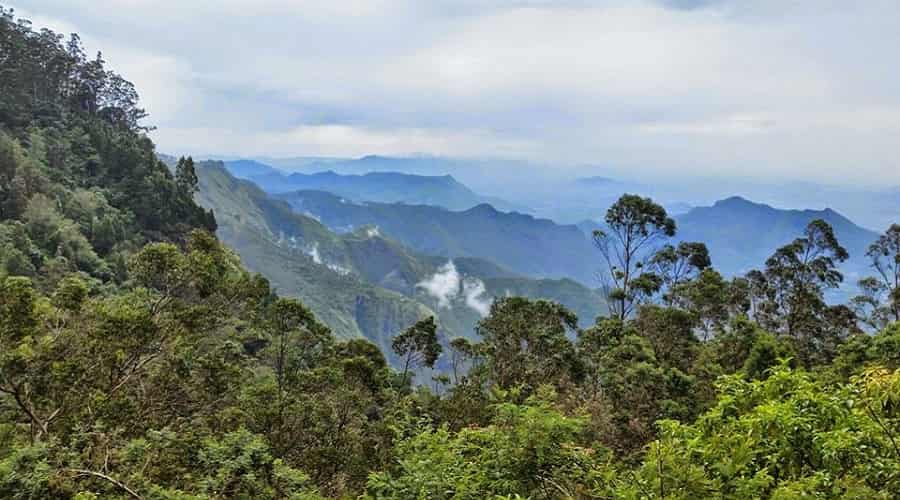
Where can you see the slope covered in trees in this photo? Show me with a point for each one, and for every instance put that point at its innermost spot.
(361, 283)
(140, 359)
(519, 242)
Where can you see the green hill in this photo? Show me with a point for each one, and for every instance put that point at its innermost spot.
(362, 283)
(303, 259)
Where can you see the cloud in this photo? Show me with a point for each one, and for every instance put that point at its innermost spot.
(338, 140)
(447, 285)
(476, 296)
(688, 4)
(732, 125)
(313, 251)
(443, 285)
(783, 89)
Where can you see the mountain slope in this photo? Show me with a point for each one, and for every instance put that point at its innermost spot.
(741, 234)
(526, 245)
(290, 251)
(362, 283)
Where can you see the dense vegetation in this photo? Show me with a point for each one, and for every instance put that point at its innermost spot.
(139, 359)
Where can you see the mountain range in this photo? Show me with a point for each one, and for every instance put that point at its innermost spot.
(362, 282)
(522, 243)
(741, 234)
(570, 193)
(388, 187)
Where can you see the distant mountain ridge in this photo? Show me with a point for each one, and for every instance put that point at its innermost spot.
(742, 234)
(522, 243)
(380, 186)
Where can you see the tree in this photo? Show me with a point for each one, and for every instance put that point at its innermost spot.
(790, 292)
(788, 436)
(418, 346)
(186, 175)
(633, 226)
(678, 264)
(670, 332)
(525, 343)
(461, 351)
(709, 298)
(880, 301)
(634, 387)
(298, 342)
(528, 449)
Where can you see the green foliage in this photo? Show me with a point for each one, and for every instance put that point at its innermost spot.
(790, 293)
(634, 224)
(418, 345)
(631, 385)
(186, 176)
(527, 450)
(783, 437)
(239, 465)
(26, 474)
(525, 344)
(879, 302)
(678, 264)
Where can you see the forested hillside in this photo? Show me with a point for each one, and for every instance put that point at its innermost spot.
(362, 283)
(519, 242)
(140, 359)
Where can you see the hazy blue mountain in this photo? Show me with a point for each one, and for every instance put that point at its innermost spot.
(571, 193)
(301, 163)
(248, 169)
(387, 187)
(507, 179)
(522, 243)
(419, 165)
(361, 282)
(741, 234)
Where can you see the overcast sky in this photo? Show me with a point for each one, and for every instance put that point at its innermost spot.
(768, 88)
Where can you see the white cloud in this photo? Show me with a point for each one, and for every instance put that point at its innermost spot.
(337, 140)
(443, 285)
(476, 296)
(313, 251)
(447, 285)
(787, 89)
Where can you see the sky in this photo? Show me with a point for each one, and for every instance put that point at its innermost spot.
(766, 89)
